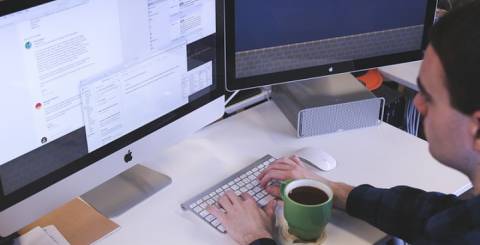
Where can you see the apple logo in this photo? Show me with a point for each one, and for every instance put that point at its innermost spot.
(330, 69)
(128, 157)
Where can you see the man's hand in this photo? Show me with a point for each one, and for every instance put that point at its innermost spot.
(244, 221)
(293, 168)
(286, 168)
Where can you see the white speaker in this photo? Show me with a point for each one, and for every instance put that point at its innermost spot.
(327, 105)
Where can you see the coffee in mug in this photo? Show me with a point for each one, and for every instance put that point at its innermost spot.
(307, 207)
(308, 195)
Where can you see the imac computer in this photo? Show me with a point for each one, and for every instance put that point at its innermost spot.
(92, 88)
(270, 42)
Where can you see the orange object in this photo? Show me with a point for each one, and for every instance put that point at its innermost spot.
(372, 79)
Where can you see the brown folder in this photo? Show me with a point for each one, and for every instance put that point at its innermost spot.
(78, 222)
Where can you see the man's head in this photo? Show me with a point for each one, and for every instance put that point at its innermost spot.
(449, 82)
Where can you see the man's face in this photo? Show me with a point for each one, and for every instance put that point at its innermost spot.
(446, 129)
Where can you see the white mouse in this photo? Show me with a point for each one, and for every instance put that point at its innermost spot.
(316, 158)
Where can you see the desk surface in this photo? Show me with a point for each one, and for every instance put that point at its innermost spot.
(405, 74)
(383, 156)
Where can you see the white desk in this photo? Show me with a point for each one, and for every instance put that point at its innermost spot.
(383, 156)
(405, 74)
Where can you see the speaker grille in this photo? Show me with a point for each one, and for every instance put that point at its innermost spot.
(339, 117)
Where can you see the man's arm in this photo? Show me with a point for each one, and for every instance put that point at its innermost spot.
(341, 191)
(400, 211)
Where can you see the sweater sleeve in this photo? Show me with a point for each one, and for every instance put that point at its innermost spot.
(400, 211)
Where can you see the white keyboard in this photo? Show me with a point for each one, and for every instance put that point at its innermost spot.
(244, 180)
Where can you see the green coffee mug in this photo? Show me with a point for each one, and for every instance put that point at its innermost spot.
(307, 222)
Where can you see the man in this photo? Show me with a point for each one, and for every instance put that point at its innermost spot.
(449, 100)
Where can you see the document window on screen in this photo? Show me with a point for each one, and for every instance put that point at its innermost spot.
(77, 82)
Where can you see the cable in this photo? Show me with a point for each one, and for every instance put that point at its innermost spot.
(231, 97)
(419, 117)
(407, 116)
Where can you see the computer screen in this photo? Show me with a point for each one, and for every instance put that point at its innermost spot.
(275, 41)
(82, 79)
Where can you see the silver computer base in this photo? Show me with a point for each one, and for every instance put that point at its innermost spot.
(125, 190)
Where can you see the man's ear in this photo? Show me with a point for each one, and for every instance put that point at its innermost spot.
(476, 130)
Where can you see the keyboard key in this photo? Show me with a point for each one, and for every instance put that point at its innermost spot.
(212, 194)
(221, 228)
(255, 182)
(249, 172)
(198, 209)
(219, 190)
(237, 179)
(249, 186)
(246, 180)
(192, 205)
(257, 189)
(252, 177)
(204, 213)
(255, 169)
(251, 193)
(235, 187)
(204, 205)
(238, 193)
(210, 218)
(241, 183)
(264, 201)
(199, 202)
(210, 202)
(215, 222)
(243, 189)
(225, 187)
(260, 195)
(231, 183)
(272, 160)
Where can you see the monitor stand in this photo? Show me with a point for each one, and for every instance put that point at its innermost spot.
(126, 190)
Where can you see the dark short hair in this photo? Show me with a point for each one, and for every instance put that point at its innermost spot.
(456, 40)
(451, 4)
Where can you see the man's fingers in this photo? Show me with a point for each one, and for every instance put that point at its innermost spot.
(285, 160)
(217, 213)
(299, 161)
(296, 160)
(234, 199)
(279, 166)
(270, 208)
(274, 174)
(275, 166)
(225, 202)
(248, 198)
(273, 190)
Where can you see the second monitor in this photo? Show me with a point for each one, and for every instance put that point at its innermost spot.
(275, 41)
